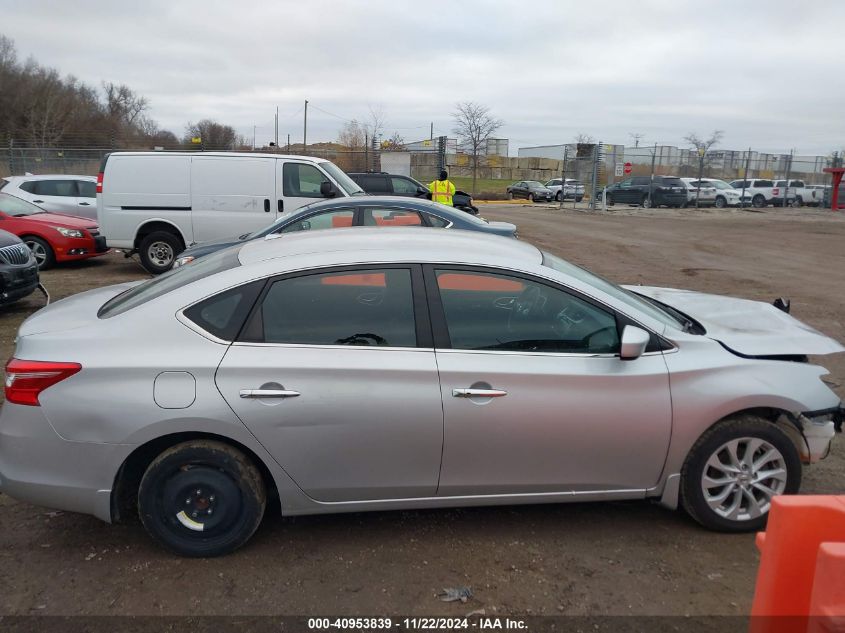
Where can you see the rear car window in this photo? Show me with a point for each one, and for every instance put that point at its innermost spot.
(223, 314)
(28, 186)
(170, 281)
(87, 189)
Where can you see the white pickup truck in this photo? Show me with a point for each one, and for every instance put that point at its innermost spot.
(803, 195)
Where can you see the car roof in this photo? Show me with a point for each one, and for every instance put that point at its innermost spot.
(390, 201)
(308, 159)
(408, 244)
(49, 177)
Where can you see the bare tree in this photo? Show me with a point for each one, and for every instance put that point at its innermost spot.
(123, 106)
(702, 146)
(394, 144)
(584, 139)
(352, 136)
(214, 135)
(374, 127)
(474, 125)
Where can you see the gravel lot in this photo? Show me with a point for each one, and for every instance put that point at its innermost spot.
(615, 558)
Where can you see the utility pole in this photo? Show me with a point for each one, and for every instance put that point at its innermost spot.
(366, 152)
(701, 153)
(288, 144)
(562, 175)
(786, 182)
(431, 134)
(253, 138)
(305, 127)
(745, 179)
(651, 184)
(277, 129)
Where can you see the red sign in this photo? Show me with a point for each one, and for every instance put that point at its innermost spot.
(628, 168)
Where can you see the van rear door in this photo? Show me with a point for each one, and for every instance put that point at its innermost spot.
(298, 184)
(231, 195)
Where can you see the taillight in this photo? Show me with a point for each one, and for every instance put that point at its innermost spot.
(100, 182)
(26, 379)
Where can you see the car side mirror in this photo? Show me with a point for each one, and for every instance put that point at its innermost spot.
(327, 190)
(634, 342)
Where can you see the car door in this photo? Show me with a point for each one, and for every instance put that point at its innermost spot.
(623, 191)
(336, 376)
(519, 190)
(535, 396)
(231, 195)
(59, 196)
(298, 183)
(86, 201)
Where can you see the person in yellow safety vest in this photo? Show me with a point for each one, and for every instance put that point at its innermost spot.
(442, 189)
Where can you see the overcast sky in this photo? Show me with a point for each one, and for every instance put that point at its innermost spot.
(771, 73)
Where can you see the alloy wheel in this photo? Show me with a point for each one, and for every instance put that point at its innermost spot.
(38, 251)
(741, 477)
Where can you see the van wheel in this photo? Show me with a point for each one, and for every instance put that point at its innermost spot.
(158, 251)
(201, 498)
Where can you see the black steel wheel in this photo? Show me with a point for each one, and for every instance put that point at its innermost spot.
(201, 498)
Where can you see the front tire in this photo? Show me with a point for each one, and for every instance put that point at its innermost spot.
(510, 195)
(797, 202)
(758, 201)
(201, 498)
(557, 197)
(647, 202)
(41, 251)
(530, 197)
(158, 251)
(721, 202)
(733, 471)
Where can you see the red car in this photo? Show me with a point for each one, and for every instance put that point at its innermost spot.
(52, 237)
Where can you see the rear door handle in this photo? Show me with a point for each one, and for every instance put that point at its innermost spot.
(478, 393)
(38, 201)
(266, 205)
(268, 393)
(281, 206)
(84, 204)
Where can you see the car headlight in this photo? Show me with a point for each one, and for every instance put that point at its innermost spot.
(69, 232)
(183, 261)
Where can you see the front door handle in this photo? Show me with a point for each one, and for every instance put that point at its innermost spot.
(266, 205)
(268, 393)
(38, 201)
(478, 393)
(281, 206)
(84, 204)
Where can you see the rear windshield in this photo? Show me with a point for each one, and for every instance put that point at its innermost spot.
(170, 281)
(673, 182)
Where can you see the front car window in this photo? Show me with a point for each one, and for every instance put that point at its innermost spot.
(403, 185)
(488, 311)
(301, 180)
(621, 294)
(346, 183)
(367, 308)
(170, 281)
(334, 219)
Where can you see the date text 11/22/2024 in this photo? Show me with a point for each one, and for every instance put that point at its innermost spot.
(417, 624)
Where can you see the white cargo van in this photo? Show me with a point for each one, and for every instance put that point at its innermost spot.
(158, 203)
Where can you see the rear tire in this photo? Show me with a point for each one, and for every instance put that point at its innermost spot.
(733, 470)
(41, 250)
(530, 197)
(158, 251)
(510, 195)
(201, 498)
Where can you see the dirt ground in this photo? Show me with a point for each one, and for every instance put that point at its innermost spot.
(585, 559)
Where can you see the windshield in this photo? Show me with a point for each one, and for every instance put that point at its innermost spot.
(719, 184)
(16, 207)
(533, 183)
(610, 288)
(170, 281)
(346, 183)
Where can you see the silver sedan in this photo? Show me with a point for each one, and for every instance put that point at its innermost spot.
(372, 369)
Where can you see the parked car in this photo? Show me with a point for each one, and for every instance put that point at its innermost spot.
(703, 191)
(368, 369)
(763, 192)
(667, 191)
(18, 269)
(156, 203)
(358, 211)
(572, 189)
(57, 193)
(799, 193)
(52, 237)
(384, 184)
(727, 196)
(532, 190)
(818, 193)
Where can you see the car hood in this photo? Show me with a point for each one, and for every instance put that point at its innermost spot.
(61, 219)
(72, 312)
(751, 328)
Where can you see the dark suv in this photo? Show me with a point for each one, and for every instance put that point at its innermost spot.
(666, 191)
(18, 269)
(384, 184)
